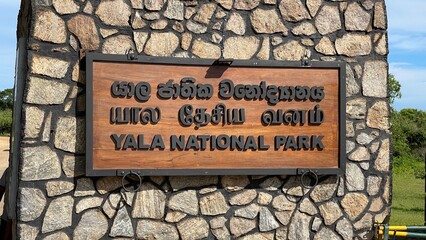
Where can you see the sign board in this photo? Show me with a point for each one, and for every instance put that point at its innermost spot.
(169, 116)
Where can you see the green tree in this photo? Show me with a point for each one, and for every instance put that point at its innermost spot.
(394, 89)
(6, 99)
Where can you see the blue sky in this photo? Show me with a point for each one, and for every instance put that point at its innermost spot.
(407, 43)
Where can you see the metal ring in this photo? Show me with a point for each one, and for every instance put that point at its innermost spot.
(127, 174)
(303, 176)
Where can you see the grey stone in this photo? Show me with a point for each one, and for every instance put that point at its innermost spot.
(378, 116)
(151, 16)
(290, 51)
(58, 214)
(205, 13)
(74, 166)
(352, 87)
(193, 228)
(180, 182)
(264, 51)
(326, 233)
(216, 38)
(360, 154)
(282, 202)
(65, 6)
(305, 28)
(349, 146)
(379, 15)
(122, 225)
(218, 222)
(313, 6)
(267, 221)
(159, 24)
(221, 233)
(373, 185)
(299, 227)
(189, 12)
(368, 4)
(350, 131)
(240, 47)
(381, 45)
(111, 204)
(70, 134)
(31, 204)
(87, 203)
(330, 211)
(207, 190)
(328, 20)
(356, 108)
(382, 161)
(264, 198)
(173, 217)
(234, 183)
(84, 28)
(271, 184)
(316, 224)
(186, 41)
(376, 205)
(364, 138)
(137, 4)
(174, 10)
(243, 198)
(84, 187)
(258, 236)
(49, 66)
(185, 201)
(281, 233)
(355, 179)
(107, 32)
(249, 212)
(324, 190)
(34, 117)
(306, 206)
(293, 10)
(57, 236)
(374, 79)
(137, 21)
(241, 226)
(47, 127)
(345, 229)
(39, 163)
(341, 187)
(148, 229)
(283, 216)
(43, 91)
(149, 203)
(353, 44)
(356, 18)
(27, 232)
(326, 47)
(195, 27)
(366, 222)
(161, 44)
(93, 225)
(109, 184)
(56, 188)
(236, 24)
(140, 40)
(227, 4)
(267, 21)
(49, 27)
(354, 204)
(307, 42)
(114, 13)
(154, 5)
(246, 4)
(119, 44)
(364, 165)
(177, 26)
(213, 204)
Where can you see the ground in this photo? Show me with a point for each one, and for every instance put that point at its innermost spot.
(4, 160)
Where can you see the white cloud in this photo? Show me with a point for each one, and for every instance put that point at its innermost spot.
(406, 16)
(408, 41)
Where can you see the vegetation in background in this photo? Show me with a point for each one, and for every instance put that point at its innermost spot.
(6, 106)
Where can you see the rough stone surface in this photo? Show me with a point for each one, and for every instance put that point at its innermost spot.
(39, 163)
(149, 203)
(218, 222)
(195, 27)
(378, 116)
(43, 91)
(186, 202)
(213, 204)
(70, 134)
(58, 214)
(73, 166)
(108, 184)
(114, 13)
(267, 221)
(349, 146)
(354, 204)
(365, 222)
(205, 13)
(227, 4)
(313, 6)
(326, 47)
(240, 47)
(65, 6)
(374, 79)
(161, 44)
(178, 182)
(360, 154)
(264, 51)
(376, 205)
(328, 20)
(290, 51)
(31, 204)
(93, 225)
(140, 40)
(173, 217)
(111, 204)
(49, 66)
(119, 44)
(49, 27)
(306, 206)
(243, 198)
(56, 188)
(57, 236)
(267, 21)
(305, 28)
(381, 45)
(85, 187)
(382, 161)
(330, 211)
(282, 203)
(234, 183)
(240, 226)
(236, 24)
(356, 18)
(293, 10)
(355, 180)
(271, 184)
(249, 212)
(379, 15)
(159, 24)
(107, 32)
(356, 108)
(137, 4)
(353, 44)
(122, 225)
(352, 86)
(344, 228)
(26, 231)
(299, 227)
(174, 10)
(34, 117)
(259, 236)
(264, 198)
(373, 185)
(87, 203)
(326, 233)
(148, 229)
(324, 190)
(221, 233)
(365, 139)
(246, 4)
(137, 21)
(193, 228)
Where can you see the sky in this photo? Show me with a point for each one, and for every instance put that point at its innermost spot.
(407, 48)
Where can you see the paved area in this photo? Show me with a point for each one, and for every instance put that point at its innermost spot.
(4, 160)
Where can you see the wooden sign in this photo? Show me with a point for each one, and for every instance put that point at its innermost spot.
(168, 116)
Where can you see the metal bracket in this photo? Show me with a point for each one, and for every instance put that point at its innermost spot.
(308, 173)
(223, 62)
(128, 174)
(306, 61)
(131, 54)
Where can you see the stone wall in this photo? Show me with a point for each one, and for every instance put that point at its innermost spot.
(55, 199)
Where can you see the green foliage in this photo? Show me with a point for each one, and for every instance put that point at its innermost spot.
(394, 89)
(6, 99)
(5, 121)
